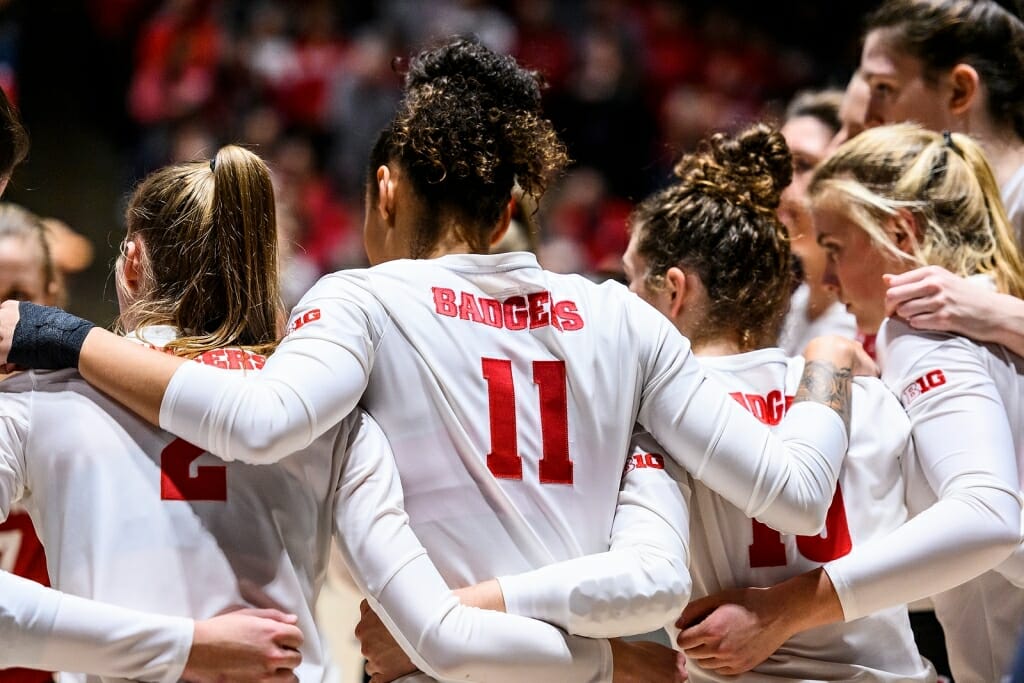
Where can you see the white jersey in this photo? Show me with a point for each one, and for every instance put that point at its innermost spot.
(731, 550)
(798, 329)
(966, 406)
(1012, 193)
(509, 395)
(134, 516)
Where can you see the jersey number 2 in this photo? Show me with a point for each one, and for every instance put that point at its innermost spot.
(768, 550)
(504, 460)
(177, 483)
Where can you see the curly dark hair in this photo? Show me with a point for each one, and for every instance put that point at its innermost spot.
(469, 127)
(944, 33)
(719, 221)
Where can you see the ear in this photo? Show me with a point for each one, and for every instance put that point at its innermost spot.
(904, 231)
(385, 194)
(675, 283)
(504, 221)
(131, 266)
(964, 84)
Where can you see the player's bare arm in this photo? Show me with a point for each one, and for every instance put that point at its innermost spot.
(823, 382)
(250, 644)
(831, 364)
(736, 630)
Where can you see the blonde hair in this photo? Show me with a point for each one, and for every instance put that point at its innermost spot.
(944, 181)
(209, 241)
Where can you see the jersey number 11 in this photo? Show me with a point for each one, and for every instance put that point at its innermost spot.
(504, 460)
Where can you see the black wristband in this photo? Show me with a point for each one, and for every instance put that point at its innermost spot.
(47, 338)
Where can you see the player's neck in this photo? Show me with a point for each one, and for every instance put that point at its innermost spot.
(717, 347)
(1002, 146)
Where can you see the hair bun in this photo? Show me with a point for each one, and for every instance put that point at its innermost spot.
(464, 66)
(752, 168)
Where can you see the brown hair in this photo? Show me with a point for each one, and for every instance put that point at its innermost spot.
(822, 105)
(17, 221)
(944, 180)
(13, 139)
(208, 233)
(981, 33)
(469, 127)
(719, 220)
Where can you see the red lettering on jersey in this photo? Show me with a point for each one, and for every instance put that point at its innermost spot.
(515, 313)
(555, 465)
(758, 406)
(834, 541)
(539, 314)
(777, 405)
(492, 312)
(444, 301)
(648, 460)
(232, 359)
(468, 309)
(923, 384)
(21, 552)
(768, 409)
(177, 483)
(768, 550)
(739, 398)
(305, 318)
(516, 316)
(504, 459)
(568, 316)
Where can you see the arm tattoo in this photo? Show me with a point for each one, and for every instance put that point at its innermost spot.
(823, 382)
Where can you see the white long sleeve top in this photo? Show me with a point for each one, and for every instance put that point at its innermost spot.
(964, 401)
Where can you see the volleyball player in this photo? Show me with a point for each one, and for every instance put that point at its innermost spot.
(953, 65)
(709, 254)
(892, 199)
(812, 122)
(44, 628)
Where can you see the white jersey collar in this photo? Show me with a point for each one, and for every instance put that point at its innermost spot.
(740, 361)
(153, 335)
(512, 260)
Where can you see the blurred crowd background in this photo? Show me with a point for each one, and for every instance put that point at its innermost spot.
(112, 89)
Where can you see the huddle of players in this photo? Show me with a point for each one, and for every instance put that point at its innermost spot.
(513, 484)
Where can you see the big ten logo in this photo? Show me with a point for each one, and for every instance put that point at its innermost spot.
(769, 409)
(304, 319)
(640, 461)
(923, 384)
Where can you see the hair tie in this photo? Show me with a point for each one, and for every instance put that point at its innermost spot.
(213, 165)
(948, 137)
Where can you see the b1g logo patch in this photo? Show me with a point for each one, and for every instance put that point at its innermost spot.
(922, 385)
(305, 318)
(640, 461)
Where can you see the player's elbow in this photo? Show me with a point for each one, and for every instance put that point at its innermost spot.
(999, 509)
(804, 516)
(262, 447)
(444, 659)
(633, 605)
